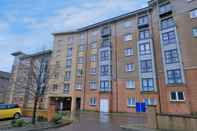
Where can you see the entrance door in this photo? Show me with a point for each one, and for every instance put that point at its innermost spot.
(78, 104)
(104, 105)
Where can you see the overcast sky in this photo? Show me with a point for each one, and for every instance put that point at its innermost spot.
(26, 25)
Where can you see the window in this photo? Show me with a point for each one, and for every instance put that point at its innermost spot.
(68, 63)
(105, 55)
(167, 23)
(146, 66)
(127, 37)
(92, 84)
(171, 56)
(174, 76)
(93, 45)
(105, 85)
(169, 37)
(194, 32)
(128, 52)
(106, 41)
(105, 70)
(70, 39)
(145, 49)
(80, 60)
(93, 101)
(165, 8)
(143, 20)
(67, 75)
(127, 24)
(66, 88)
(150, 101)
(93, 71)
(177, 96)
(69, 52)
(93, 58)
(131, 102)
(130, 84)
(81, 48)
(82, 36)
(78, 86)
(144, 34)
(147, 84)
(193, 13)
(129, 67)
(55, 87)
(79, 72)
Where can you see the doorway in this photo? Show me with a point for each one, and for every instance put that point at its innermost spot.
(104, 105)
(78, 104)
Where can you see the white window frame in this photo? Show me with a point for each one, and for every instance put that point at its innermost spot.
(128, 52)
(127, 24)
(128, 37)
(131, 101)
(194, 32)
(177, 99)
(91, 85)
(92, 101)
(129, 67)
(130, 84)
(78, 86)
(193, 13)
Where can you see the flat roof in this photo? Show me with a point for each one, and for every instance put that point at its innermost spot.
(111, 20)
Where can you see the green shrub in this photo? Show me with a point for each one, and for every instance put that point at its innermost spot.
(18, 123)
(42, 119)
(58, 118)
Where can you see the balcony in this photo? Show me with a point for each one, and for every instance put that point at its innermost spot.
(106, 31)
(165, 10)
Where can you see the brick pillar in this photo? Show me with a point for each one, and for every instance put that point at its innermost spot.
(51, 111)
(151, 117)
(73, 104)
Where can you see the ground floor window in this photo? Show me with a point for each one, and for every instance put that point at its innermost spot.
(131, 102)
(93, 101)
(177, 96)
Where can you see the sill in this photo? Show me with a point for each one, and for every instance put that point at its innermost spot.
(148, 92)
(78, 89)
(92, 105)
(131, 106)
(130, 88)
(177, 101)
(175, 85)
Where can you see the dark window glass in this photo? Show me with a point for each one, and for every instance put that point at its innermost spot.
(169, 37)
(167, 23)
(146, 66)
(145, 34)
(145, 49)
(147, 84)
(143, 20)
(173, 96)
(174, 76)
(180, 96)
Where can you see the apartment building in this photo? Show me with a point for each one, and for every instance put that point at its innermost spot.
(144, 56)
(27, 71)
(147, 55)
(4, 81)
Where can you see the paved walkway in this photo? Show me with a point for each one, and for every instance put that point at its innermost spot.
(100, 122)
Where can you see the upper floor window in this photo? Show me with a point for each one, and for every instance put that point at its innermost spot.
(144, 34)
(68, 63)
(130, 84)
(147, 84)
(79, 72)
(55, 87)
(127, 24)
(177, 96)
(165, 8)
(69, 52)
(78, 86)
(93, 71)
(128, 52)
(193, 13)
(194, 32)
(67, 75)
(106, 41)
(143, 20)
(169, 37)
(167, 23)
(131, 102)
(128, 37)
(92, 84)
(105, 55)
(93, 58)
(80, 60)
(171, 56)
(82, 36)
(66, 88)
(174, 76)
(105, 70)
(81, 48)
(145, 49)
(146, 66)
(93, 45)
(129, 67)
(70, 39)
(105, 85)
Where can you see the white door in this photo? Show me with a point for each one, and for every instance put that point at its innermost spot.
(104, 105)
